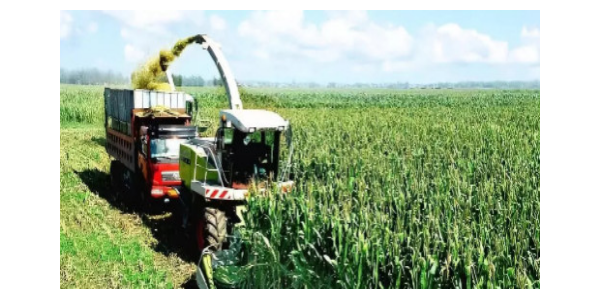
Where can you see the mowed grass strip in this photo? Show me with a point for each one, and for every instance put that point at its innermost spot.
(101, 245)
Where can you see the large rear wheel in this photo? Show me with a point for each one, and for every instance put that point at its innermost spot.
(215, 230)
(211, 233)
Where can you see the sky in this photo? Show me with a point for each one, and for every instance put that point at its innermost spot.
(314, 46)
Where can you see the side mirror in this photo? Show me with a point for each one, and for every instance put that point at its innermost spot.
(189, 108)
(189, 104)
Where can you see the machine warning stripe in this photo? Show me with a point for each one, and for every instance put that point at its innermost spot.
(212, 193)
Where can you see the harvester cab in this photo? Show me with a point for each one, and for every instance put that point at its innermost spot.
(245, 154)
(248, 143)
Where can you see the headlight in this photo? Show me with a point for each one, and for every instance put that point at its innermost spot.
(171, 176)
(157, 192)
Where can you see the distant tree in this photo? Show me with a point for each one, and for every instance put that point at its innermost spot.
(91, 76)
(63, 75)
(192, 81)
(217, 81)
(200, 81)
(177, 80)
(95, 76)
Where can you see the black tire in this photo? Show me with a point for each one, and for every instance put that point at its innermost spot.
(142, 200)
(215, 231)
(116, 180)
(124, 187)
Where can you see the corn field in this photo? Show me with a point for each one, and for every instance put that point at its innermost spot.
(394, 189)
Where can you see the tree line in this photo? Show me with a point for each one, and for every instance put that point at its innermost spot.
(94, 76)
(180, 80)
(91, 76)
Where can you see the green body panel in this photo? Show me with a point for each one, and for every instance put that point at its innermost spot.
(193, 157)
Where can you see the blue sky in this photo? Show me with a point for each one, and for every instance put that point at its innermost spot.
(320, 46)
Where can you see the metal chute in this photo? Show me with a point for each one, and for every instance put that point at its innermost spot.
(214, 50)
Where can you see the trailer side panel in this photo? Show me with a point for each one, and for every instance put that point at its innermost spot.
(121, 147)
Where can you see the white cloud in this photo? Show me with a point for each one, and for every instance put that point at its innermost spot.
(217, 23)
(66, 24)
(133, 54)
(70, 28)
(125, 33)
(93, 27)
(530, 33)
(147, 32)
(148, 20)
(348, 41)
(158, 23)
(345, 35)
(398, 66)
(529, 51)
(526, 54)
(450, 43)
(283, 38)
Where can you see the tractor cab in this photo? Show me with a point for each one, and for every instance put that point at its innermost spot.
(248, 143)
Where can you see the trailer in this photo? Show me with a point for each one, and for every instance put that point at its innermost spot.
(143, 132)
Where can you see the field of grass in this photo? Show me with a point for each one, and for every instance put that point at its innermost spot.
(395, 189)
